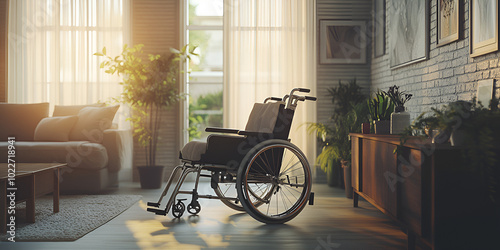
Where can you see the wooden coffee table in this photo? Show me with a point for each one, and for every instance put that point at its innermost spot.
(31, 180)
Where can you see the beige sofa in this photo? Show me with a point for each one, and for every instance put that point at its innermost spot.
(77, 135)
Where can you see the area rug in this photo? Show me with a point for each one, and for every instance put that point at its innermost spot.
(78, 215)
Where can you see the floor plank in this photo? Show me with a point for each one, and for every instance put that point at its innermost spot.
(332, 223)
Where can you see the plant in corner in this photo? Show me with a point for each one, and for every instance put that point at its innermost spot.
(149, 87)
(400, 119)
(380, 108)
(350, 110)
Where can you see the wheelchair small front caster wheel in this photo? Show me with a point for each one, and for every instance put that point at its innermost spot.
(178, 209)
(194, 209)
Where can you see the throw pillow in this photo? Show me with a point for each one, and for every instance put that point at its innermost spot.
(20, 120)
(92, 121)
(60, 110)
(55, 128)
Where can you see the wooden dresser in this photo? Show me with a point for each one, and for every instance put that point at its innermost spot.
(425, 189)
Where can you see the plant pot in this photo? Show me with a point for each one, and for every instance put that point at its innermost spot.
(346, 166)
(151, 177)
(333, 174)
(440, 137)
(399, 122)
(457, 137)
(365, 128)
(382, 127)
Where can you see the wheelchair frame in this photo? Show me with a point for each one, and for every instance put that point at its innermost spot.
(249, 174)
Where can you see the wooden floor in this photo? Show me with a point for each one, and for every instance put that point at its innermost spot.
(332, 223)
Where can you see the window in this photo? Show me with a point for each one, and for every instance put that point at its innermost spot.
(204, 29)
(51, 47)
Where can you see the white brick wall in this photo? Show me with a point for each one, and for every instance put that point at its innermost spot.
(448, 75)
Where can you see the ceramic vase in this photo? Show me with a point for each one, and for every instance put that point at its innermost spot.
(399, 122)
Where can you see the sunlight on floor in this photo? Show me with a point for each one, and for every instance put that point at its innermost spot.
(153, 234)
(160, 233)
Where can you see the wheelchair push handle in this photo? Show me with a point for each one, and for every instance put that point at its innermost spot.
(304, 98)
(273, 99)
(293, 99)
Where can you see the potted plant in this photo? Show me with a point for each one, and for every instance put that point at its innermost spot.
(380, 109)
(480, 145)
(149, 87)
(443, 122)
(350, 110)
(400, 119)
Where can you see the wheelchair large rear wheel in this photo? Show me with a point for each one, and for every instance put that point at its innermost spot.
(228, 189)
(276, 173)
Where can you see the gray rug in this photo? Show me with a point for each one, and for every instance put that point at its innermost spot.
(78, 215)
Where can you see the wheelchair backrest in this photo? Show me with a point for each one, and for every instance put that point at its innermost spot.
(271, 117)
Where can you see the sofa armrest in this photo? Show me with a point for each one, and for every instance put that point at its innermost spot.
(118, 143)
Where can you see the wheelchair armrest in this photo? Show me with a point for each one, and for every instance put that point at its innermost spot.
(259, 134)
(222, 130)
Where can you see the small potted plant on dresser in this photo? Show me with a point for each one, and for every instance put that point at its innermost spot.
(475, 134)
(400, 119)
(380, 109)
(149, 87)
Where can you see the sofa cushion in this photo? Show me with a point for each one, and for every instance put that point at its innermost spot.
(77, 154)
(65, 110)
(55, 128)
(20, 120)
(92, 121)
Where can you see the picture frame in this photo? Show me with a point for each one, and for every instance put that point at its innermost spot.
(342, 42)
(485, 91)
(483, 26)
(378, 28)
(408, 32)
(448, 21)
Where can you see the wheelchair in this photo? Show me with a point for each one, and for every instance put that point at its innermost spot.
(256, 170)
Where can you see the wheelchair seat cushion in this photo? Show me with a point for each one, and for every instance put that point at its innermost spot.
(193, 150)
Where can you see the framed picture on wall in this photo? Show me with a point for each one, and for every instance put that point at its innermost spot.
(408, 32)
(483, 23)
(485, 91)
(378, 28)
(448, 24)
(342, 42)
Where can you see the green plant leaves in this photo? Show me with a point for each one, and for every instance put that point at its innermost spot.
(350, 111)
(148, 87)
(380, 107)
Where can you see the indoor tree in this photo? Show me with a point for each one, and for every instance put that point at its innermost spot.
(149, 86)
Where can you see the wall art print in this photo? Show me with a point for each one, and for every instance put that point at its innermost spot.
(408, 32)
(342, 42)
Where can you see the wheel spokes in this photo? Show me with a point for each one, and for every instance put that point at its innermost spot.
(288, 185)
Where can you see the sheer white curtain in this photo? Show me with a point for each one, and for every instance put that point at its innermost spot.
(270, 49)
(51, 46)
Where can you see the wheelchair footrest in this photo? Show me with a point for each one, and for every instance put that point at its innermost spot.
(157, 211)
(152, 204)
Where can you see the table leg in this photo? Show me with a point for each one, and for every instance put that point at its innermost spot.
(30, 202)
(3, 206)
(55, 194)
